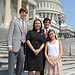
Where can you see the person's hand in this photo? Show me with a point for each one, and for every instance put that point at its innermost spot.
(54, 62)
(51, 63)
(10, 48)
(37, 52)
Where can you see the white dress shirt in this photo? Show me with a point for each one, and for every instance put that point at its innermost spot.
(45, 30)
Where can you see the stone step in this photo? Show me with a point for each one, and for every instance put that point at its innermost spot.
(3, 59)
(68, 62)
(3, 40)
(3, 49)
(69, 72)
(3, 46)
(3, 52)
(65, 67)
(4, 63)
(3, 43)
(67, 59)
(68, 56)
(6, 55)
(4, 71)
(3, 55)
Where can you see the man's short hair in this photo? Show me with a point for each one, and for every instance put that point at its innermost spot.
(47, 19)
(23, 9)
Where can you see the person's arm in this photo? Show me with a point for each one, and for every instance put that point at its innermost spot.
(47, 58)
(28, 38)
(30, 46)
(10, 34)
(60, 54)
(41, 47)
(43, 44)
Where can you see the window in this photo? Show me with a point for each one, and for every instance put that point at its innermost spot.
(41, 5)
(43, 15)
(40, 14)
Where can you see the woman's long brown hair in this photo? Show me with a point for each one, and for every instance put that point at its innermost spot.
(50, 30)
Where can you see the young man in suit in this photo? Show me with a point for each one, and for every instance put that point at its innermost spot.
(46, 23)
(16, 42)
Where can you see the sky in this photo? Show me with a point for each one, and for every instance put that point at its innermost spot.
(68, 7)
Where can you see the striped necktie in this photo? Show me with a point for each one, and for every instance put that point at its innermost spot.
(23, 32)
(46, 34)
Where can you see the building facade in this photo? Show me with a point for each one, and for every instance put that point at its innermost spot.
(36, 9)
(9, 9)
(52, 9)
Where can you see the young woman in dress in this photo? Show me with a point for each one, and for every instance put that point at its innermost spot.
(53, 54)
(34, 53)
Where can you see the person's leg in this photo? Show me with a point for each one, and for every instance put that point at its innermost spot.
(11, 62)
(37, 73)
(20, 61)
(30, 72)
(42, 72)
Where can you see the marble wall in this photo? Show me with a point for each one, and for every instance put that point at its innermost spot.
(68, 44)
(13, 11)
(2, 11)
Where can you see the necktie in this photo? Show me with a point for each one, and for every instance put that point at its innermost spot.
(23, 32)
(46, 34)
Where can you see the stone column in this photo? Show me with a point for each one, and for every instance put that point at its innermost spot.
(18, 7)
(45, 15)
(27, 7)
(38, 14)
(42, 5)
(52, 5)
(49, 15)
(7, 11)
(49, 5)
(46, 5)
(57, 18)
(53, 19)
(34, 12)
(39, 5)
(42, 15)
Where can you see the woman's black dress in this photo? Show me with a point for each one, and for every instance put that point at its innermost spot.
(33, 62)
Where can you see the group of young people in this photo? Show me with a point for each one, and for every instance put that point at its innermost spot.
(41, 47)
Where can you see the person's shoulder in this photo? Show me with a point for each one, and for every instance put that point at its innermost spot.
(26, 22)
(29, 31)
(59, 41)
(42, 33)
(43, 30)
(14, 20)
(47, 42)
